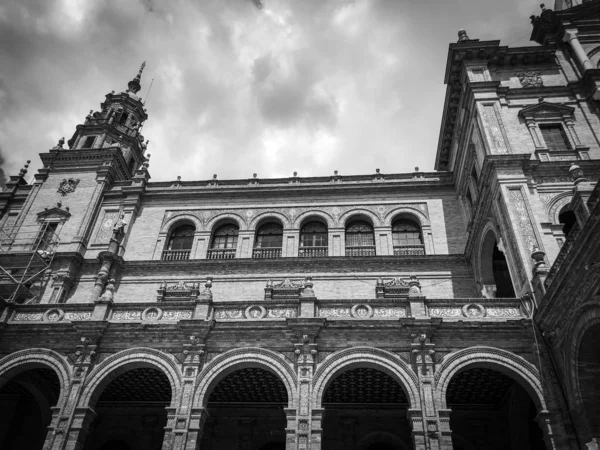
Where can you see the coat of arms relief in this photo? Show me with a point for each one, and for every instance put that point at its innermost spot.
(530, 79)
(68, 185)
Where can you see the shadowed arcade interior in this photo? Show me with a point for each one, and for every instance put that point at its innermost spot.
(490, 410)
(25, 411)
(131, 412)
(495, 274)
(365, 408)
(246, 410)
(588, 370)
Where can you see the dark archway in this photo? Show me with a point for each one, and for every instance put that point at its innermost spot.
(491, 410)
(495, 274)
(588, 371)
(568, 220)
(25, 409)
(365, 408)
(131, 412)
(246, 411)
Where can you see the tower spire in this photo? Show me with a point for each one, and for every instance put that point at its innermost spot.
(134, 85)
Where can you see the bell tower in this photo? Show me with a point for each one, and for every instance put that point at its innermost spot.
(117, 124)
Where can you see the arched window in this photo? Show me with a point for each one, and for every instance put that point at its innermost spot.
(313, 240)
(123, 118)
(269, 239)
(179, 245)
(224, 242)
(360, 239)
(407, 238)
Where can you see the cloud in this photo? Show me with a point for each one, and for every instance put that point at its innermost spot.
(243, 86)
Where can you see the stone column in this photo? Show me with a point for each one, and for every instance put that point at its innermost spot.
(78, 431)
(290, 243)
(245, 244)
(383, 241)
(570, 36)
(316, 428)
(431, 429)
(533, 131)
(336, 237)
(201, 245)
(291, 427)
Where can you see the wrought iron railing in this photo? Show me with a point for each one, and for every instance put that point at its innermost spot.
(312, 252)
(267, 253)
(175, 255)
(360, 251)
(221, 253)
(412, 250)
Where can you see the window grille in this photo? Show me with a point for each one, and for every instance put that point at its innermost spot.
(224, 242)
(407, 238)
(360, 239)
(555, 137)
(180, 243)
(313, 240)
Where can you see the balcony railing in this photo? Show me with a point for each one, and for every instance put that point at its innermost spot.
(267, 253)
(175, 255)
(221, 253)
(312, 252)
(411, 250)
(360, 251)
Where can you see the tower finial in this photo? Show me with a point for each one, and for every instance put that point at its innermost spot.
(462, 35)
(134, 85)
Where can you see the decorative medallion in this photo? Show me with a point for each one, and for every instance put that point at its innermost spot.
(473, 311)
(361, 311)
(54, 315)
(68, 185)
(152, 314)
(255, 312)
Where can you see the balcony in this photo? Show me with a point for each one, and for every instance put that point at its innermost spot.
(267, 253)
(409, 250)
(221, 253)
(360, 251)
(312, 252)
(175, 255)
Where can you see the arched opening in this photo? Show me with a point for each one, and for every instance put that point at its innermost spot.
(365, 408)
(491, 410)
(407, 237)
(123, 118)
(224, 242)
(360, 238)
(269, 239)
(588, 372)
(131, 412)
(313, 240)
(495, 274)
(246, 411)
(568, 219)
(180, 242)
(25, 412)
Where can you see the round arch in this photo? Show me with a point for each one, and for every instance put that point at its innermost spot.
(265, 217)
(408, 213)
(243, 358)
(503, 361)
(34, 358)
(586, 317)
(358, 214)
(124, 361)
(556, 204)
(380, 437)
(371, 357)
(308, 216)
(182, 219)
(221, 219)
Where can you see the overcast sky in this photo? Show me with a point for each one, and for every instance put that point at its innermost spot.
(297, 85)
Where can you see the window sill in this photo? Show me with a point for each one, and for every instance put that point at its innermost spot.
(546, 155)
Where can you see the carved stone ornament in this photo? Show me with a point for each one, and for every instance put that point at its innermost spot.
(473, 310)
(54, 315)
(152, 314)
(361, 311)
(179, 291)
(255, 312)
(530, 79)
(285, 289)
(68, 185)
(397, 288)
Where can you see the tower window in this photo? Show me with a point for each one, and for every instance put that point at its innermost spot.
(555, 137)
(123, 118)
(313, 240)
(407, 238)
(89, 142)
(179, 245)
(360, 239)
(269, 240)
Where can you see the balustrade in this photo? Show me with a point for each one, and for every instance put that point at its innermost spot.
(360, 251)
(266, 253)
(411, 250)
(312, 252)
(175, 255)
(221, 253)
